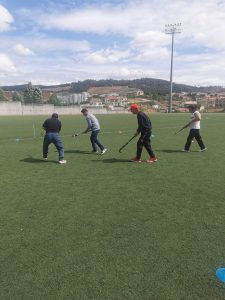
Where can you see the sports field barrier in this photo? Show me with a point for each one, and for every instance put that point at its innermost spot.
(20, 109)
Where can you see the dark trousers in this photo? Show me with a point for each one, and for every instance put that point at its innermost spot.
(95, 141)
(144, 141)
(53, 137)
(194, 133)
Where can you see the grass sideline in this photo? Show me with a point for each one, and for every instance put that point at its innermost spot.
(101, 227)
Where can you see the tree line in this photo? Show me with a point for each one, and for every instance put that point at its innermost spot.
(148, 85)
(30, 95)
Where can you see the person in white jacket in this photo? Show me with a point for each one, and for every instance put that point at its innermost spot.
(94, 127)
(194, 125)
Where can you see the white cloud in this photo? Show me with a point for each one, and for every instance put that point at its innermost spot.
(131, 73)
(52, 44)
(5, 19)
(134, 25)
(151, 45)
(153, 54)
(6, 65)
(206, 69)
(106, 56)
(126, 18)
(204, 24)
(43, 45)
(22, 50)
(89, 20)
(201, 23)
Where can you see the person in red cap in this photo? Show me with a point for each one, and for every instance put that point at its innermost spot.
(145, 129)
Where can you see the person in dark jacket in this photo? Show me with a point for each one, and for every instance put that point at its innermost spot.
(145, 129)
(52, 128)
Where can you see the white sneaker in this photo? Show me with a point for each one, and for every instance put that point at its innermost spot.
(103, 151)
(45, 158)
(62, 161)
(184, 150)
(202, 150)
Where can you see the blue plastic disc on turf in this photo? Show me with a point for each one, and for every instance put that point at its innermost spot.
(220, 273)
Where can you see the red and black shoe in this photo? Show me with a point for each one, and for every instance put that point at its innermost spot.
(135, 159)
(152, 160)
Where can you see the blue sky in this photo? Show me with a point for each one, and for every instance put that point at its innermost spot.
(52, 42)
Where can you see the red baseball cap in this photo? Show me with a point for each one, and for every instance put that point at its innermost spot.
(133, 106)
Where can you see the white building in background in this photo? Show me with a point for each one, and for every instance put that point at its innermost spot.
(73, 99)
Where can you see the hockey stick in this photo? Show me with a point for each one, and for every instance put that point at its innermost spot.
(180, 130)
(120, 150)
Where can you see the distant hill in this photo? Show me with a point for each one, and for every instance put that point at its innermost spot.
(148, 85)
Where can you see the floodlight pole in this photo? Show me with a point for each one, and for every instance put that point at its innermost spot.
(172, 29)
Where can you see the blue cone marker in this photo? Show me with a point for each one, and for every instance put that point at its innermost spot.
(220, 274)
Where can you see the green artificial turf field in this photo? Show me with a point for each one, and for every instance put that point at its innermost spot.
(101, 227)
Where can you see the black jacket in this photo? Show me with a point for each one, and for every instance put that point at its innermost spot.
(52, 125)
(144, 123)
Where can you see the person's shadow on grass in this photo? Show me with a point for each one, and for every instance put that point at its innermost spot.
(168, 150)
(34, 160)
(112, 160)
(79, 152)
(172, 151)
